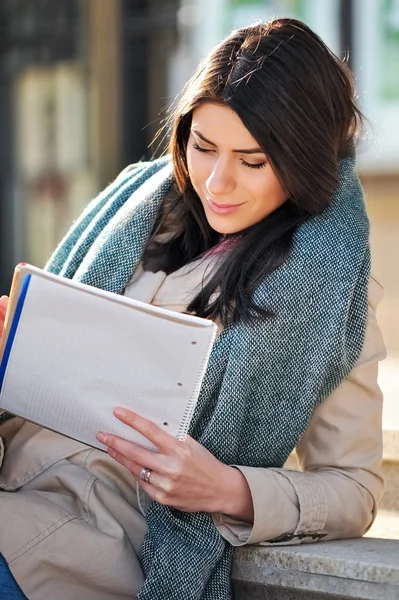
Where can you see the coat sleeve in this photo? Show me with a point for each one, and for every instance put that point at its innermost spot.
(335, 493)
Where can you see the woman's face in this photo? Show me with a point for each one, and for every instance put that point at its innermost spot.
(228, 170)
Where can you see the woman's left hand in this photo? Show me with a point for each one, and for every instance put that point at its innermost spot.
(184, 475)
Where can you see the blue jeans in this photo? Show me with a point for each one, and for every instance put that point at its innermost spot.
(9, 589)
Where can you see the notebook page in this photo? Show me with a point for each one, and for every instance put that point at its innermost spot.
(76, 356)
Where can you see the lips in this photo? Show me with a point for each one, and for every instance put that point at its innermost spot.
(222, 209)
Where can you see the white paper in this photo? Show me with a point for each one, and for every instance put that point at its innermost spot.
(79, 353)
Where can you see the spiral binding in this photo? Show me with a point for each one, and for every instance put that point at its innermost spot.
(192, 401)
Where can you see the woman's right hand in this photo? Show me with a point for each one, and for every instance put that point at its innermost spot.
(3, 310)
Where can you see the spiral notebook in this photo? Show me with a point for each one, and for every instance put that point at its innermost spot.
(71, 353)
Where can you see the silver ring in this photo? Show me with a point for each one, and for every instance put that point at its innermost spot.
(145, 474)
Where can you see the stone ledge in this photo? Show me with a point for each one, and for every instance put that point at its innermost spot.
(366, 569)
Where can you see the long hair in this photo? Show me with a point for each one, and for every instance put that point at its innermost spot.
(297, 100)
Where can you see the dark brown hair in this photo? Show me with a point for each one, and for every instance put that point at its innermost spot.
(297, 99)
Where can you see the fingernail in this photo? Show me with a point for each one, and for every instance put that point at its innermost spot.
(121, 413)
(102, 437)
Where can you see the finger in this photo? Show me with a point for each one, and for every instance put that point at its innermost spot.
(154, 491)
(158, 486)
(189, 441)
(3, 304)
(131, 451)
(156, 480)
(162, 483)
(121, 459)
(152, 432)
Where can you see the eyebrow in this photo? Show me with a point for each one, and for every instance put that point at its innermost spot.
(247, 151)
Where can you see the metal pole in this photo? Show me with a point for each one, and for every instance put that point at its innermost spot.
(346, 28)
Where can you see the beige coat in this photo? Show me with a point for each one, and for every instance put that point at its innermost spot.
(71, 520)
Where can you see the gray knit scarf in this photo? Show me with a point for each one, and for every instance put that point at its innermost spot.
(264, 378)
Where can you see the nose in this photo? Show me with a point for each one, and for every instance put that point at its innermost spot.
(221, 180)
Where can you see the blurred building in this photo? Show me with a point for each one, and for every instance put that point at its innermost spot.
(84, 85)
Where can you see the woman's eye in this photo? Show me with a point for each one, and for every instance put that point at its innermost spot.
(196, 147)
(244, 162)
(255, 166)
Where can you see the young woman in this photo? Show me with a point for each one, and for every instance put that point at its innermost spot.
(255, 220)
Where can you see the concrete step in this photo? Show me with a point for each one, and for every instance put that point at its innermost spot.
(365, 569)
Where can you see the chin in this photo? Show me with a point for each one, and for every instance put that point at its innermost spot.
(223, 224)
(223, 228)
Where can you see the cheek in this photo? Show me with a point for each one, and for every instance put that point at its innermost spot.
(269, 196)
(192, 157)
(191, 165)
(189, 158)
(197, 167)
(277, 195)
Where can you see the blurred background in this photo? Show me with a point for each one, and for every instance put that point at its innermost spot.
(84, 85)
